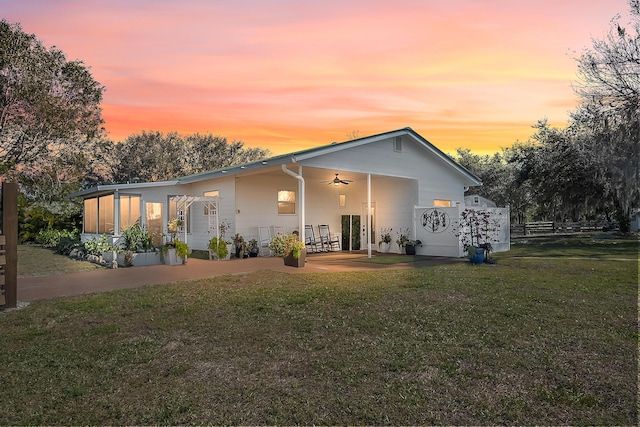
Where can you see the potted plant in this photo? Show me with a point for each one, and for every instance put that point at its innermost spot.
(402, 236)
(182, 250)
(218, 247)
(173, 226)
(475, 255)
(385, 240)
(410, 246)
(476, 230)
(135, 247)
(175, 252)
(252, 246)
(290, 249)
(239, 244)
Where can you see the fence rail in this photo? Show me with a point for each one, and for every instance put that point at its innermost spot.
(550, 227)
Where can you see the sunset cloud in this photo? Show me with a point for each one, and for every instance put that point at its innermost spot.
(288, 75)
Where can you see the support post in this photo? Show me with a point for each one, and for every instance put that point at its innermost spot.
(10, 232)
(301, 189)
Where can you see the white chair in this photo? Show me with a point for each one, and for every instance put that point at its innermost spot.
(278, 230)
(264, 238)
(329, 242)
(310, 240)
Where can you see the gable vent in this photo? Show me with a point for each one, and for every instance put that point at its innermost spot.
(397, 144)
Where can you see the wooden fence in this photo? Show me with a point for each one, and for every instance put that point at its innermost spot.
(550, 227)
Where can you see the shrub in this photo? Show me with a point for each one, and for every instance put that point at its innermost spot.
(50, 238)
(136, 239)
(218, 246)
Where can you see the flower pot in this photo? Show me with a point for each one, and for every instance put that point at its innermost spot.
(299, 262)
(171, 257)
(479, 256)
(384, 247)
(253, 253)
(410, 249)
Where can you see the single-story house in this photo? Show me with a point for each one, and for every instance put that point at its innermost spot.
(358, 188)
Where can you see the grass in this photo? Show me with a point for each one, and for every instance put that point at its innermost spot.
(594, 246)
(391, 259)
(525, 341)
(38, 261)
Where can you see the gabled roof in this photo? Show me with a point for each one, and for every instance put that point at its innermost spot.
(302, 155)
(109, 188)
(294, 157)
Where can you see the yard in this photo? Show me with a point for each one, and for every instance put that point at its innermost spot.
(549, 339)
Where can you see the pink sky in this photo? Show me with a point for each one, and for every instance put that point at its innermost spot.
(289, 75)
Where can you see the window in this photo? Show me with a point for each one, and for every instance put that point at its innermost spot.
(129, 211)
(173, 213)
(343, 200)
(397, 144)
(213, 193)
(286, 202)
(98, 214)
(91, 215)
(442, 203)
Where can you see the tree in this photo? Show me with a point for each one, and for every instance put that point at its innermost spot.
(609, 90)
(46, 102)
(499, 180)
(154, 156)
(562, 174)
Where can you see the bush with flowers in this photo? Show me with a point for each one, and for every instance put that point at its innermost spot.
(285, 244)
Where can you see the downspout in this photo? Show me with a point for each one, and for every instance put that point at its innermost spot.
(301, 187)
(369, 219)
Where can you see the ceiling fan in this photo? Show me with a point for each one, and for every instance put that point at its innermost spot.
(337, 181)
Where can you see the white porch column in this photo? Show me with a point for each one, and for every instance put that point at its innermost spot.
(301, 190)
(116, 213)
(303, 206)
(369, 215)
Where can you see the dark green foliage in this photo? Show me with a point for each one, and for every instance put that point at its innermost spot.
(61, 241)
(154, 156)
(136, 238)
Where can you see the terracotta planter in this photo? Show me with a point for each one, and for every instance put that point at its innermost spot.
(296, 262)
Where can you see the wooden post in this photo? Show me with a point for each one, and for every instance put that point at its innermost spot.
(10, 231)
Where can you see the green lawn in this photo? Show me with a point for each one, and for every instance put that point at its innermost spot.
(35, 260)
(593, 246)
(525, 341)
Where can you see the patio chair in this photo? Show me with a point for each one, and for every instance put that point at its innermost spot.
(264, 234)
(278, 230)
(329, 242)
(310, 240)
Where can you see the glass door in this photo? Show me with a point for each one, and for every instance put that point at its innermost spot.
(155, 222)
